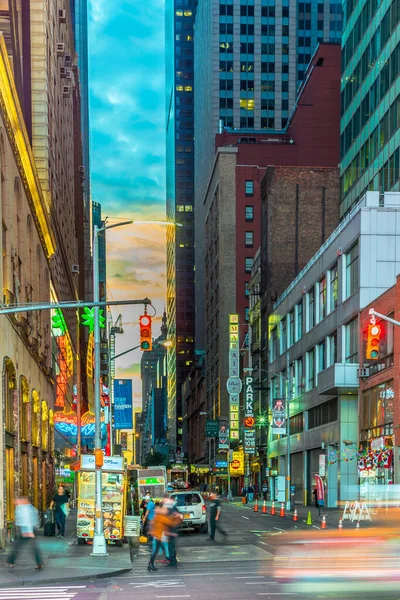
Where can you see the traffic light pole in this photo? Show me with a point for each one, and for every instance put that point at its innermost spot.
(383, 317)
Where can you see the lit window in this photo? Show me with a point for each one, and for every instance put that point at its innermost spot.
(189, 38)
(249, 187)
(181, 245)
(188, 88)
(249, 239)
(179, 13)
(180, 208)
(247, 104)
(249, 213)
(189, 208)
(179, 88)
(187, 13)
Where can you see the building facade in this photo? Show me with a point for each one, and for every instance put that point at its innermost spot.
(370, 90)
(314, 347)
(180, 15)
(195, 413)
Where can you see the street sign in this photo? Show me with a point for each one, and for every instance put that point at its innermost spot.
(249, 436)
(212, 429)
(234, 385)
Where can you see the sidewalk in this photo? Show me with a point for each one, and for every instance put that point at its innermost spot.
(64, 561)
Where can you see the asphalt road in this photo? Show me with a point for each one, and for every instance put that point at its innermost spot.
(239, 569)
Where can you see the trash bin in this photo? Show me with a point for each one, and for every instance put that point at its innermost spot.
(244, 499)
(132, 529)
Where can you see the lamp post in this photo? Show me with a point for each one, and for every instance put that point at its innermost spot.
(99, 541)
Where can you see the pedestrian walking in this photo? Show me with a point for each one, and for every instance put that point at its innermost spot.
(148, 514)
(250, 493)
(160, 526)
(172, 533)
(215, 518)
(26, 518)
(264, 489)
(60, 503)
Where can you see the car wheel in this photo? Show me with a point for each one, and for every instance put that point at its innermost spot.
(204, 528)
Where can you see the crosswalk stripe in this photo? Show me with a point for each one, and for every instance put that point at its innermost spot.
(41, 593)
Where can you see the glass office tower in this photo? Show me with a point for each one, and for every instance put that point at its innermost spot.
(370, 135)
(180, 16)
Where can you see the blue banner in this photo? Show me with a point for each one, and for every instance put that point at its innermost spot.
(123, 406)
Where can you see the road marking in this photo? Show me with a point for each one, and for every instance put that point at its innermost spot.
(278, 529)
(41, 593)
(160, 583)
(243, 517)
(210, 574)
(277, 594)
(172, 596)
(251, 577)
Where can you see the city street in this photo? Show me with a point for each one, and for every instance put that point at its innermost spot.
(240, 568)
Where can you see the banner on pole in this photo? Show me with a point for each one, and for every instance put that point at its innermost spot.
(123, 412)
(320, 490)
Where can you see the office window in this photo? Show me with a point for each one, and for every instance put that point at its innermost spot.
(331, 358)
(273, 345)
(334, 287)
(321, 358)
(249, 213)
(351, 341)
(310, 370)
(352, 271)
(283, 335)
(299, 373)
(322, 298)
(299, 320)
(249, 187)
(311, 308)
(247, 314)
(249, 239)
(291, 329)
(248, 264)
(323, 414)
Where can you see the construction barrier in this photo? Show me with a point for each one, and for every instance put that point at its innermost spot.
(354, 511)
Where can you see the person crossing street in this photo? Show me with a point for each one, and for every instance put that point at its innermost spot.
(215, 518)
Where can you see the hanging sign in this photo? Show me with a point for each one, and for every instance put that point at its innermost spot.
(123, 410)
(279, 416)
(223, 439)
(234, 384)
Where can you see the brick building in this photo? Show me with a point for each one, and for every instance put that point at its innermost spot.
(379, 414)
(250, 170)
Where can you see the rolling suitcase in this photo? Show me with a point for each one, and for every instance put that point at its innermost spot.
(49, 525)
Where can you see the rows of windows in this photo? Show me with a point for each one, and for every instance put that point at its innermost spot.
(357, 32)
(371, 53)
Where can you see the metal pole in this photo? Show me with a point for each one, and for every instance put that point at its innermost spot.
(18, 308)
(78, 387)
(99, 542)
(288, 398)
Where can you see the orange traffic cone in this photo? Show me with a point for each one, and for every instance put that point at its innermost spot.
(264, 508)
(282, 511)
(295, 517)
(255, 508)
(323, 524)
(273, 509)
(340, 526)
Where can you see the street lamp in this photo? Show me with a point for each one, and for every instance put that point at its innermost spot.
(99, 541)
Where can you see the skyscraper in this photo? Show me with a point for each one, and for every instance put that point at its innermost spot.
(250, 57)
(180, 17)
(370, 141)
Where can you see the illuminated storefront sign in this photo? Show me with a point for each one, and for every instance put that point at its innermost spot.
(249, 433)
(234, 369)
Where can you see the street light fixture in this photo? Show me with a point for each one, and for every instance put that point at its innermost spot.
(99, 541)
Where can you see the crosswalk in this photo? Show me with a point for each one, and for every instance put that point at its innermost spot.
(41, 593)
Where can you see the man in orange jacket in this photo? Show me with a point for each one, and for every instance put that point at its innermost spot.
(162, 523)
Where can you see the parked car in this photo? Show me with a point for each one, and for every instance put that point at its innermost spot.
(193, 508)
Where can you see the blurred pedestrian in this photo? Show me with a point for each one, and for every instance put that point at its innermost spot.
(60, 503)
(215, 518)
(317, 504)
(250, 493)
(26, 518)
(172, 533)
(264, 489)
(161, 525)
(148, 514)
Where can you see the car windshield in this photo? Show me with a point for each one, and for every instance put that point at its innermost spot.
(186, 499)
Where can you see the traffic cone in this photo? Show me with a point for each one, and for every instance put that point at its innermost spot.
(282, 511)
(255, 508)
(323, 524)
(264, 508)
(273, 509)
(295, 517)
(340, 526)
(309, 518)
(358, 525)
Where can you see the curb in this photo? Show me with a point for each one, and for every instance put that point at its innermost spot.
(30, 582)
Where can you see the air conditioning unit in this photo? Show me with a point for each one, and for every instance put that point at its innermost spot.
(75, 269)
(60, 49)
(68, 60)
(362, 373)
(62, 15)
(66, 91)
(63, 71)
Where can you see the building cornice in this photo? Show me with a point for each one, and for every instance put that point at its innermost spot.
(13, 118)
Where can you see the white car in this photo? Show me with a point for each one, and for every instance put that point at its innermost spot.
(193, 508)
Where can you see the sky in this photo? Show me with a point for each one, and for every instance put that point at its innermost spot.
(126, 79)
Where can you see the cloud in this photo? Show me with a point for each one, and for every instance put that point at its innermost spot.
(127, 120)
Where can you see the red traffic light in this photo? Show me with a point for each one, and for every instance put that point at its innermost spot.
(145, 333)
(373, 341)
(145, 321)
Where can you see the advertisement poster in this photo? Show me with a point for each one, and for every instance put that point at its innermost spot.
(113, 494)
(237, 464)
(123, 411)
(249, 438)
(320, 490)
(223, 440)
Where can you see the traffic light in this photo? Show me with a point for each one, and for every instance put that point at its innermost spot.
(145, 333)
(373, 340)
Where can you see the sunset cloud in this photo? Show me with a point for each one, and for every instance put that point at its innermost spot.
(126, 46)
